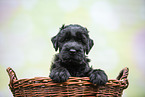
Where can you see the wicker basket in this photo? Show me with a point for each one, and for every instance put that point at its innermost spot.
(74, 87)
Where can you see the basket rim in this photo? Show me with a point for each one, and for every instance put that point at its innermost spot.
(121, 80)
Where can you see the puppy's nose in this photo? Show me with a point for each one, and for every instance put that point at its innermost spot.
(72, 51)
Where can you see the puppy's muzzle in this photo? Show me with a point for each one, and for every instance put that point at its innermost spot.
(72, 51)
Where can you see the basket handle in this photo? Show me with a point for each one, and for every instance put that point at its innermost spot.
(123, 76)
(12, 75)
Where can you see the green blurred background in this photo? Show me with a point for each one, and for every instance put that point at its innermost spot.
(116, 26)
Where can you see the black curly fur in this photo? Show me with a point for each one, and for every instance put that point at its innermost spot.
(73, 42)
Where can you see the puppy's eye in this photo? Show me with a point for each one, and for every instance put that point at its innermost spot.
(63, 39)
(79, 40)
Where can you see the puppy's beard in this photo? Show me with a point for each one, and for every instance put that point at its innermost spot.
(72, 60)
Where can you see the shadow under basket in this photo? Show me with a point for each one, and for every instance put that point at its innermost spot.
(74, 87)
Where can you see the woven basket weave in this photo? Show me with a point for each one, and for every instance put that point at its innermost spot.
(74, 87)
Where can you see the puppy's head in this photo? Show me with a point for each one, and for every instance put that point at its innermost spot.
(73, 42)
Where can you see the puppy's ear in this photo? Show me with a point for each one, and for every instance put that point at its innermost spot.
(89, 45)
(55, 42)
(54, 39)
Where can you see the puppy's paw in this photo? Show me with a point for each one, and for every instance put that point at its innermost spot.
(59, 75)
(98, 77)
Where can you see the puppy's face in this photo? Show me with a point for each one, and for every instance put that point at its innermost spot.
(73, 42)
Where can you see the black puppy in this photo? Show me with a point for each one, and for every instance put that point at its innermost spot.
(73, 42)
